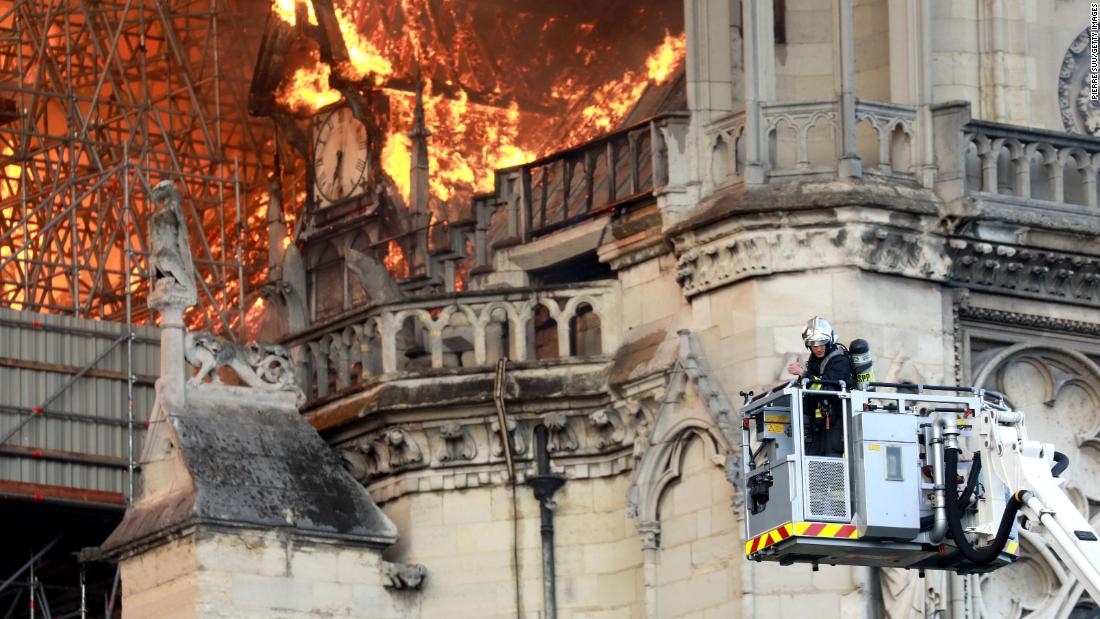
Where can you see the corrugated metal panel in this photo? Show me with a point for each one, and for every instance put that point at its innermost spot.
(80, 439)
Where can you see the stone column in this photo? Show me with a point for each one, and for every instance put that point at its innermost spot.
(650, 533)
(709, 76)
(848, 164)
(759, 61)
(910, 77)
(1005, 95)
(388, 332)
(173, 373)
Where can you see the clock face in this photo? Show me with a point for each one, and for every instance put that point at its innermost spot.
(339, 157)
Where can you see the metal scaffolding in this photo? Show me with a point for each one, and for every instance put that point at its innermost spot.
(99, 101)
(97, 96)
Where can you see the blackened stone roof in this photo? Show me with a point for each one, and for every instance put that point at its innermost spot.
(257, 466)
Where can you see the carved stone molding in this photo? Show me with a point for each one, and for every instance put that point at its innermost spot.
(748, 254)
(431, 455)
(403, 576)
(650, 532)
(608, 427)
(404, 452)
(1028, 321)
(519, 442)
(362, 459)
(459, 445)
(562, 437)
(675, 426)
(1034, 273)
(1079, 113)
(1058, 389)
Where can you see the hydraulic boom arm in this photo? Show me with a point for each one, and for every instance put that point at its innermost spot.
(1026, 467)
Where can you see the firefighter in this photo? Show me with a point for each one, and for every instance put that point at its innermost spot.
(828, 362)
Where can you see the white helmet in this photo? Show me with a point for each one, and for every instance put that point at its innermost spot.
(818, 332)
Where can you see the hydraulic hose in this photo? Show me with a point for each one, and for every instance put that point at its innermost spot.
(971, 483)
(926, 522)
(954, 517)
(971, 480)
(1061, 463)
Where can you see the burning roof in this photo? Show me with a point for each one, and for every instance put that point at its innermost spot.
(505, 82)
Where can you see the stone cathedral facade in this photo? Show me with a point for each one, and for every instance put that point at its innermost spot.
(923, 174)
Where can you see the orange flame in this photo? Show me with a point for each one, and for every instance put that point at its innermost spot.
(612, 101)
(395, 261)
(308, 89)
(253, 317)
(468, 142)
(666, 58)
(476, 124)
(364, 58)
(11, 179)
(286, 10)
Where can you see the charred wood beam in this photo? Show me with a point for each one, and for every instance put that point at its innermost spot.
(532, 104)
(580, 10)
(294, 135)
(40, 366)
(279, 37)
(333, 50)
(9, 112)
(57, 455)
(270, 65)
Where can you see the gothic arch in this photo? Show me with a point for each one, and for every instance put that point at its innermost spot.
(661, 464)
(1058, 390)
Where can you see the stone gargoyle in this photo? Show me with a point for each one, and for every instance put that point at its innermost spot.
(170, 258)
(260, 366)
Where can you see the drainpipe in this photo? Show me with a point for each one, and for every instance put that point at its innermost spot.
(544, 485)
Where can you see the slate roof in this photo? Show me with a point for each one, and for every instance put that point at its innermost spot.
(259, 468)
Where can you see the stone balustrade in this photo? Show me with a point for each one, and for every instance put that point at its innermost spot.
(1009, 163)
(803, 138)
(467, 330)
(725, 140)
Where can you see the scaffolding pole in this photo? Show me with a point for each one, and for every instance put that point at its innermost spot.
(110, 98)
(131, 88)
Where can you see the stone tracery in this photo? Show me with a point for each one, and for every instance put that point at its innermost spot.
(1059, 391)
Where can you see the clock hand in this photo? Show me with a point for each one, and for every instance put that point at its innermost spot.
(337, 170)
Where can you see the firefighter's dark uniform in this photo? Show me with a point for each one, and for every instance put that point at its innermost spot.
(823, 414)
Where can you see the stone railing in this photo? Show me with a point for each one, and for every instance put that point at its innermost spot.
(578, 183)
(464, 330)
(802, 139)
(988, 159)
(726, 145)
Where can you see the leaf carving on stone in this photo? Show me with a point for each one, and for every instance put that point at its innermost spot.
(404, 452)
(519, 442)
(459, 445)
(562, 437)
(608, 428)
